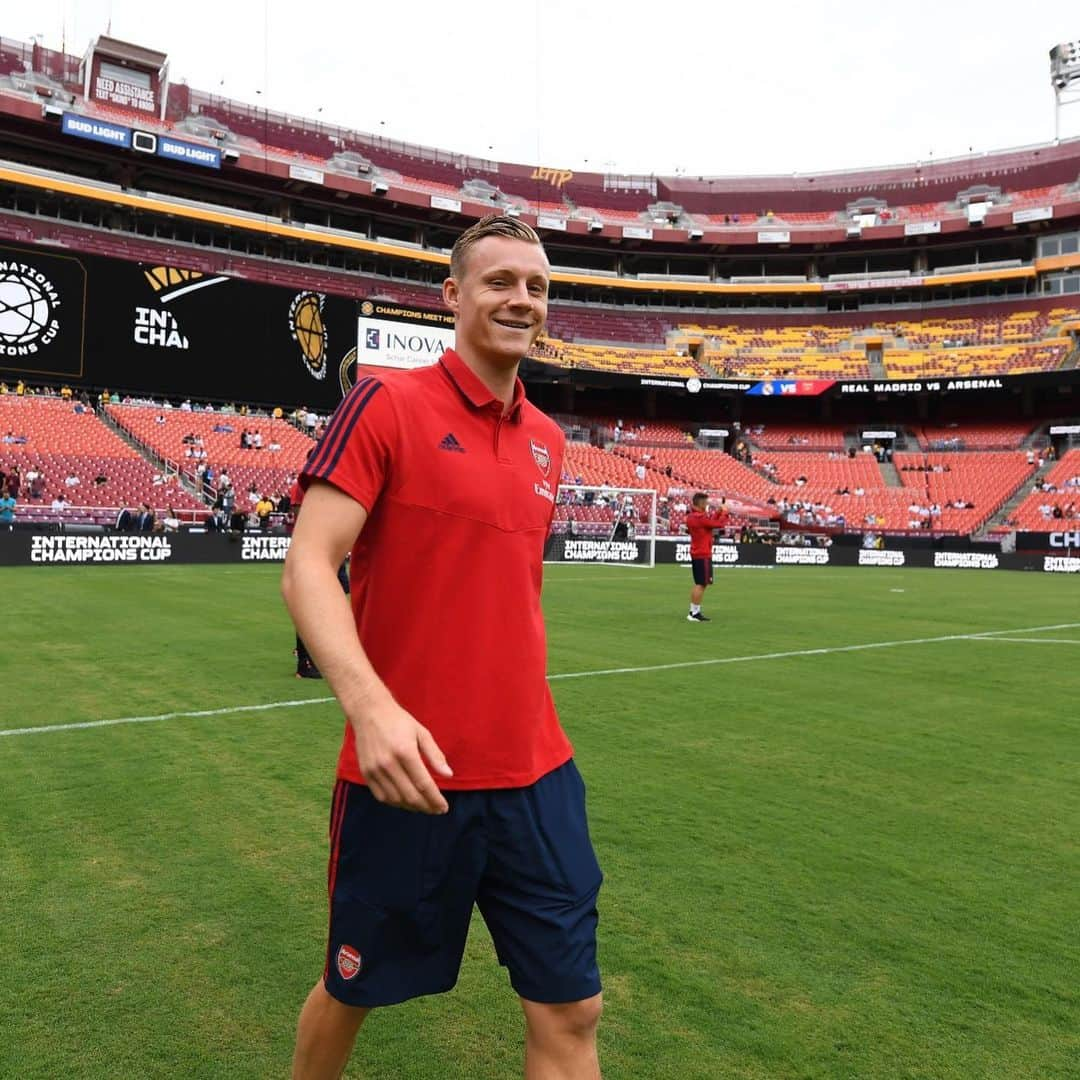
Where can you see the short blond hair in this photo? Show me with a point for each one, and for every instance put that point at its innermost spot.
(492, 225)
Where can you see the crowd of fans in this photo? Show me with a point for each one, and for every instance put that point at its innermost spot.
(256, 510)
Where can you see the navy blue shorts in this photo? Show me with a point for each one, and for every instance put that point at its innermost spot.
(402, 888)
(702, 571)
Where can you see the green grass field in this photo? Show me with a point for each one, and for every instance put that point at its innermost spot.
(843, 864)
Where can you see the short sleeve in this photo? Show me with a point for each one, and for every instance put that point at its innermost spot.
(356, 450)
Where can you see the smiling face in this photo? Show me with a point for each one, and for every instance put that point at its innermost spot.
(499, 300)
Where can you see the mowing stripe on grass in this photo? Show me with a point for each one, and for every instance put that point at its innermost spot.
(985, 635)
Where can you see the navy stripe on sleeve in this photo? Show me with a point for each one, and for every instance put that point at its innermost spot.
(328, 452)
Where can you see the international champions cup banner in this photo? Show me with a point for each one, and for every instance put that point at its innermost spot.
(390, 335)
(169, 329)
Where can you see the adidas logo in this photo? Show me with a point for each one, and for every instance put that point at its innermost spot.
(451, 444)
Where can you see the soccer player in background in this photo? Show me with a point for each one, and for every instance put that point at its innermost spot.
(456, 784)
(700, 523)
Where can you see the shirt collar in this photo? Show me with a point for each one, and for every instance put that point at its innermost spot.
(471, 387)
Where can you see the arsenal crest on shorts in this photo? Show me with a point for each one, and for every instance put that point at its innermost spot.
(541, 456)
(348, 962)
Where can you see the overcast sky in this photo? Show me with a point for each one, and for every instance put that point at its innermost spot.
(705, 88)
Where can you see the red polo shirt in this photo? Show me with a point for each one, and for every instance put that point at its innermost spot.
(700, 526)
(447, 571)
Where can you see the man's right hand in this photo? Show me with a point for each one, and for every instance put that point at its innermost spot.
(391, 748)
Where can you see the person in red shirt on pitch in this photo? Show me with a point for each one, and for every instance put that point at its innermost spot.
(456, 785)
(700, 523)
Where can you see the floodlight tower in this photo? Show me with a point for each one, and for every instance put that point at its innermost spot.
(1065, 78)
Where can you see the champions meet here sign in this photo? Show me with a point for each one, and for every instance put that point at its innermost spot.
(390, 335)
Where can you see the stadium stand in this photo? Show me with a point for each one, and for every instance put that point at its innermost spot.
(267, 470)
(969, 436)
(1055, 503)
(787, 436)
(64, 446)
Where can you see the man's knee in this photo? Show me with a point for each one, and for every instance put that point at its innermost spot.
(326, 1009)
(572, 1019)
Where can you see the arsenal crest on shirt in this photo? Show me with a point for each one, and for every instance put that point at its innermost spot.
(541, 456)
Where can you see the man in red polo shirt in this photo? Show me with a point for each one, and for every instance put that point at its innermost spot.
(700, 523)
(456, 784)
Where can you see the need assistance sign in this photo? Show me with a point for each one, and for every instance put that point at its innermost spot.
(389, 335)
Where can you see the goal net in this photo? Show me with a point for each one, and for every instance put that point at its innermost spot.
(615, 526)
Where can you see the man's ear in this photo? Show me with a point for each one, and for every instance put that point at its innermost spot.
(451, 294)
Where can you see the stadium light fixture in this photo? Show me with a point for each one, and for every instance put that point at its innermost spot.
(1065, 79)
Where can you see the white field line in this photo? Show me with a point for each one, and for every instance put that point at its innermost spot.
(986, 635)
(1033, 640)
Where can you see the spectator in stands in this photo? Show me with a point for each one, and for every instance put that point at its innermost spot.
(59, 503)
(217, 520)
(11, 437)
(171, 521)
(264, 508)
(20, 388)
(253, 495)
(274, 446)
(256, 440)
(145, 521)
(7, 506)
(223, 479)
(125, 520)
(14, 481)
(100, 479)
(65, 392)
(37, 486)
(160, 418)
(185, 405)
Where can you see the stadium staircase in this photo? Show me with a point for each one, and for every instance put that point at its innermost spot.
(152, 456)
(875, 363)
(890, 474)
(1001, 516)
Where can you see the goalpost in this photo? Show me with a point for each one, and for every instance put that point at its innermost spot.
(610, 525)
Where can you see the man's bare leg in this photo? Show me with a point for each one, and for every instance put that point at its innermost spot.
(560, 1041)
(324, 1036)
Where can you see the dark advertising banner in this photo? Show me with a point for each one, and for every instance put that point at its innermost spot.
(1000, 385)
(42, 313)
(25, 547)
(168, 330)
(1064, 541)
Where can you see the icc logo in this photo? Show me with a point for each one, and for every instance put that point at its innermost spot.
(309, 331)
(28, 303)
